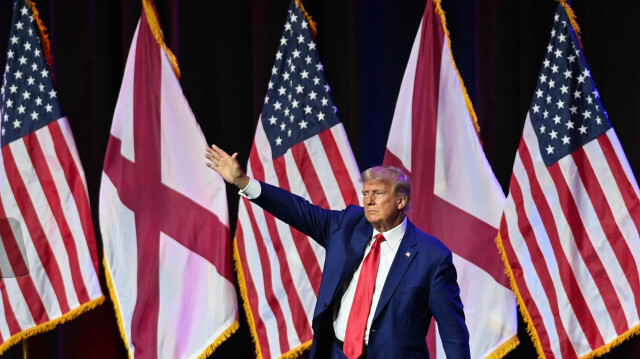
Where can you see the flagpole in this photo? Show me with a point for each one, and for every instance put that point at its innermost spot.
(25, 348)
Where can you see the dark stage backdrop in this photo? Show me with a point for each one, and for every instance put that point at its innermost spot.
(226, 49)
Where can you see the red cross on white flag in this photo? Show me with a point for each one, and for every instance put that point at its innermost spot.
(163, 216)
(456, 196)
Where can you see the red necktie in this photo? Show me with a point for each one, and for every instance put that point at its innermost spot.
(357, 322)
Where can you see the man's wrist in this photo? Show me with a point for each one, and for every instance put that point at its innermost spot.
(242, 182)
(252, 190)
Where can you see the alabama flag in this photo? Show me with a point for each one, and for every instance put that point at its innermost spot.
(456, 196)
(163, 215)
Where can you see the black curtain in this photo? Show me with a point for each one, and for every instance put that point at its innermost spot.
(225, 51)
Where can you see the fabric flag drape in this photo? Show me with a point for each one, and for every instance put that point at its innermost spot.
(48, 246)
(455, 195)
(163, 215)
(300, 145)
(570, 229)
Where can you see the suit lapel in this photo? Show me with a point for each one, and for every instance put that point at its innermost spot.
(353, 255)
(404, 256)
(356, 248)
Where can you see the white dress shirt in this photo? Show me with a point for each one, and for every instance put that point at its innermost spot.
(388, 250)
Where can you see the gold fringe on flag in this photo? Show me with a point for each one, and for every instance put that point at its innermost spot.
(312, 24)
(154, 24)
(572, 18)
(531, 330)
(245, 298)
(47, 326)
(224, 336)
(505, 348)
(467, 100)
(297, 351)
(620, 339)
(116, 306)
(42, 32)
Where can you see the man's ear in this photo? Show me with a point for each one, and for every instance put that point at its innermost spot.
(402, 201)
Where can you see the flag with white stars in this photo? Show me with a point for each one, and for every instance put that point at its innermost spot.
(565, 112)
(29, 101)
(300, 145)
(570, 230)
(42, 186)
(298, 104)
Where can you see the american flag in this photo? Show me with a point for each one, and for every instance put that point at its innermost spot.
(456, 196)
(163, 216)
(570, 229)
(42, 187)
(301, 146)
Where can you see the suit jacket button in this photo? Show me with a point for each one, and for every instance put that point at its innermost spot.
(325, 305)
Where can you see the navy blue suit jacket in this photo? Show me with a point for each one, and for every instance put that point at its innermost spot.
(421, 282)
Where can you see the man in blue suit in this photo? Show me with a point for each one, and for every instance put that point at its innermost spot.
(383, 278)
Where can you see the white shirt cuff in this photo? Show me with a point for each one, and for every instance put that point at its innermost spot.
(252, 191)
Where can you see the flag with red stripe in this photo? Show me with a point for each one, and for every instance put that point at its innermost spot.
(455, 195)
(48, 246)
(570, 230)
(163, 217)
(300, 145)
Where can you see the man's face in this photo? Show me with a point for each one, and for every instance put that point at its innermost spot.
(381, 206)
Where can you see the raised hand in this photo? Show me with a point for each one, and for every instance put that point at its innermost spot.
(227, 166)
